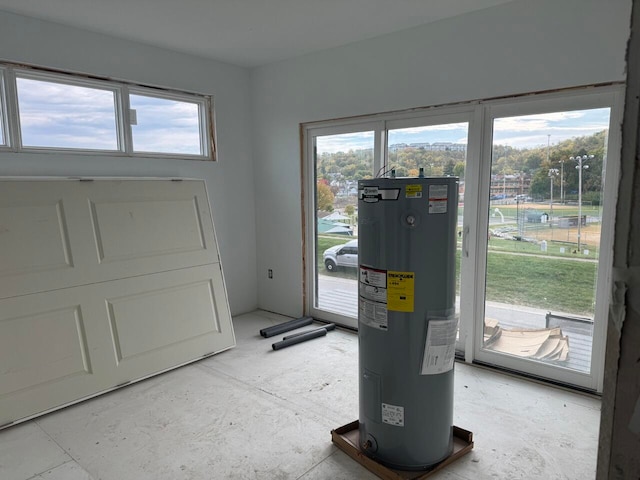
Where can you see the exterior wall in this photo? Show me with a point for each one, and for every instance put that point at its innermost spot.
(620, 421)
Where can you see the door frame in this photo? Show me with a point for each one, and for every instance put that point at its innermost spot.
(310, 225)
(602, 97)
(478, 165)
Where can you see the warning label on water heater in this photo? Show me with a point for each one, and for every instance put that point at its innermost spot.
(372, 302)
(438, 197)
(393, 414)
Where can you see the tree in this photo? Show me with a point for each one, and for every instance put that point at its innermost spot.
(349, 210)
(325, 197)
(449, 168)
(458, 170)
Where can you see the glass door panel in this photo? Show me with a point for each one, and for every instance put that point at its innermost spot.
(340, 161)
(437, 150)
(544, 236)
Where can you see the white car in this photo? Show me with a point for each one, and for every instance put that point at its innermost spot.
(345, 255)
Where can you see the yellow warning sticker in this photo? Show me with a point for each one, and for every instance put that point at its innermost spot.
(400, 291)
(413, 191)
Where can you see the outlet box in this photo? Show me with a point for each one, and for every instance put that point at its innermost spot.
(270, 273)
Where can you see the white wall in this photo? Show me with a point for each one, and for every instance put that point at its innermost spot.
(229, 181)
(518, 47)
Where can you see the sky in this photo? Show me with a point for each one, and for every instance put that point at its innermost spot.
(70, 116)
(528, 131)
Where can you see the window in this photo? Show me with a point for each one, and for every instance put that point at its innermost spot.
(59, 115)
(165, 125)
(46, 111)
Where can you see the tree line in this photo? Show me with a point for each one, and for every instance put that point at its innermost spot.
(341, 170)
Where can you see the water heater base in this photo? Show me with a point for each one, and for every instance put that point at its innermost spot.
(347, 439)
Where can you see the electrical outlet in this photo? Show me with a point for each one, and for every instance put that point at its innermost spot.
(270, 273)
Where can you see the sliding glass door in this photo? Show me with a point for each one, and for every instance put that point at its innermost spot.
(548, 219)
(435, 144)
(439, 145)
(538, 178)
(341, 156)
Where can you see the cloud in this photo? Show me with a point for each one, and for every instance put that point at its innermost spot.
(536, 130)
(69, 116)
(344, 142)
(432, 128)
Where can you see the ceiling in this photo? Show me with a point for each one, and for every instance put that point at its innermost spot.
(247, 33)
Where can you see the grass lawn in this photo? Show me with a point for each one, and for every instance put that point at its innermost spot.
(553, 283)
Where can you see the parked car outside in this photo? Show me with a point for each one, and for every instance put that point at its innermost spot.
(345, 255)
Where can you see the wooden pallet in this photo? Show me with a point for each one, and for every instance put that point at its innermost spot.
(347, 439)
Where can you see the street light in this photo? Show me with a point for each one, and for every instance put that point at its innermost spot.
(553, 172)
(580, 166)
(562, 182)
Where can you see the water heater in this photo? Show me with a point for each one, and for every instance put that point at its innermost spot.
(406, 318)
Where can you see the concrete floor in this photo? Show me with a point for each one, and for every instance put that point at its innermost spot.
(252, 413)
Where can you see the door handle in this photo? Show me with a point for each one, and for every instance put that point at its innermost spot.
(465, 241)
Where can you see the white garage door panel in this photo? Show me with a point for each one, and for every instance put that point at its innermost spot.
(33, 238)
(103, 283)
(96, 337)
(152, 317)
(129, 230)
(149, 226)
(37, 231)
(40, 348)
(59, 234)
(52, 351)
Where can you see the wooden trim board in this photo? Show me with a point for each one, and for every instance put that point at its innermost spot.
(347, 439)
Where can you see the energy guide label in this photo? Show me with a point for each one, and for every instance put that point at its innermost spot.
(413, 191)
(393, 414)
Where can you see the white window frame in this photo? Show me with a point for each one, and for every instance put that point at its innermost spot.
(70, 81)
(4, 117)
(121, 90)
(601, 97)
(309, 175)
(203, 107)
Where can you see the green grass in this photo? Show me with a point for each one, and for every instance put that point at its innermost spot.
(558, 285)
(550, 282)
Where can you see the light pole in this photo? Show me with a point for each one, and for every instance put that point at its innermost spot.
(553, 172)
(548, 143)
(562, 182)
(580, 166)
(518, 224)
